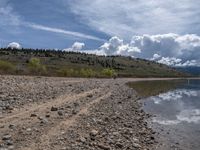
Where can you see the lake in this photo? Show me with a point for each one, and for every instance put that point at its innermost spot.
(175, 106)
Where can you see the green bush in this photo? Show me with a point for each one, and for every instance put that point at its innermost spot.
(67, 72)
(6, 66)
(87, 73)
(107, 72)
(36, 67)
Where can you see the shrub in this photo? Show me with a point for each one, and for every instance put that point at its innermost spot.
(67, 72)
(6, 66)
(107, 72)
(87, 73)
(36, 67)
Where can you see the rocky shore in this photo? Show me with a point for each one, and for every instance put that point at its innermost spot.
(38, 113)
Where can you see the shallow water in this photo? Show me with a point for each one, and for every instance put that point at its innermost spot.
(176, 114)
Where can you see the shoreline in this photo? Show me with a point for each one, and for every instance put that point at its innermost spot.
(72, 113)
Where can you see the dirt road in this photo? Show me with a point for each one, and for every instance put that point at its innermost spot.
(39, 113)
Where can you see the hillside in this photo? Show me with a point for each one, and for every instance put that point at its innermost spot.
(195, 71)
(59, 63)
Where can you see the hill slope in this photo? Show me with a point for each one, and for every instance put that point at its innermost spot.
(59, 63)
(191, 70)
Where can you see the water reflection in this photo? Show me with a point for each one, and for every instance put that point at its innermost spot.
(174, 95)
(176, 107)
(183, 106)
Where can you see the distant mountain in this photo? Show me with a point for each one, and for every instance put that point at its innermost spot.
(191, 70)
(60, 63)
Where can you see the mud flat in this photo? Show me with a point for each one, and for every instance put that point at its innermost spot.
(38, 113)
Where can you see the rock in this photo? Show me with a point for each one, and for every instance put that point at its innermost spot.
(60, 113)
(6, 137)
(82, 139)
(47, 115)
(43, 120)
(11, 147)
(104, 147)
(9, 142)
(9, 107)
(11, 126)
(94, 132)
(33, 115)
(136, 145)
(75, 111)
(54, 108)
(29, 129)
(119, 145)
(90, 95)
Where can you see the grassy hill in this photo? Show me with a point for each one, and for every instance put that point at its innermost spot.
(59, 63)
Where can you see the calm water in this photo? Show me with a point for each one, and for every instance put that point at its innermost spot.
(176, 114)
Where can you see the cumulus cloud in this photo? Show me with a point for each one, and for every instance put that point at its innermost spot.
(14, 45)
(116, 46)
(171, 49)
(76, 47)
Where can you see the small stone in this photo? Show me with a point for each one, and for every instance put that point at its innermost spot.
(74, 111)
(104, 147)
(119, 145)
(9, 107)
(33, 115)
(90, 95)
(136, 145)
(11, 147)
(60, 113)
(9, 142)
(29, 129)
(94, 132)
(47, 115)
(11, 126)
(82, 139)
(54, 108)
(6, 137)
(43, 120)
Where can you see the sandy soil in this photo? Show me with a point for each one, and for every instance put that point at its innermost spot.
(40, 113)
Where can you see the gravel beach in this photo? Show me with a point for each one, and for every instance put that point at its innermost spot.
(48, 113)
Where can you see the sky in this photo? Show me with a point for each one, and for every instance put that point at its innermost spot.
(164, 31)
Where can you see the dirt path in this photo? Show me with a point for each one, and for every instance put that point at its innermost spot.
(26, 112)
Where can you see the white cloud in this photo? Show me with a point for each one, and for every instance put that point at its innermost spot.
(57, 30)
(14, 45)
(10, 17)
(171, 49)
(7, 15)
(170, 61)
(76, 47)
(116, 46)
(155, 57)
(125, 18)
